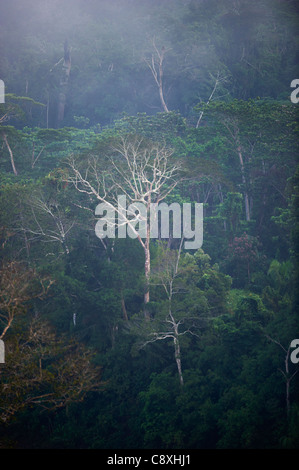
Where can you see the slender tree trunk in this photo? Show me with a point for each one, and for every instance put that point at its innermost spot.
(161, 85)
(34, 158)
(263, 205)
(147, 271)
(114, 330)
(209, 100)
(27, 244)
(288, 379)
(286, 374)
(65, 247)
(123, 307)
(10, 154)
(158, 74)
(247, 206)
(177, 348)
(66, 69)
(177, 351)
(9, 322)
(147, 262)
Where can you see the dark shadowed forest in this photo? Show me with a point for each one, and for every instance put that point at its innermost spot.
(114, 338)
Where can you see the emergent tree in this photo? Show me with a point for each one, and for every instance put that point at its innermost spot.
(144, 172)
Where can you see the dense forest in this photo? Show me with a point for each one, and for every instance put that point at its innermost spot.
(139, 342)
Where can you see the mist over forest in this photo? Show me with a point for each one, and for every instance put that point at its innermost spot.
(131, 341)
(253, 45)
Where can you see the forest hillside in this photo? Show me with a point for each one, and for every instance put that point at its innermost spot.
(149, 189)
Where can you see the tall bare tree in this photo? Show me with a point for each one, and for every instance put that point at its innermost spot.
(11, 156)
(143, 172)
(66, 70)
(155, 64)
(286, 372)
(49, 222)
(218, 81)
(182, 310)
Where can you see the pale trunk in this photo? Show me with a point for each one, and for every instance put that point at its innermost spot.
(147, 263)
(10, 154)
(147, 270)
(161, 87)
(64, 82)
(27, 244)
(177, 350)
(123, 306)
(162, 99)
(247, 207)
(10, 319)
(208, 102)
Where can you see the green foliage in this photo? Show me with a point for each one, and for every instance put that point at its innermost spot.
(231, 306)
